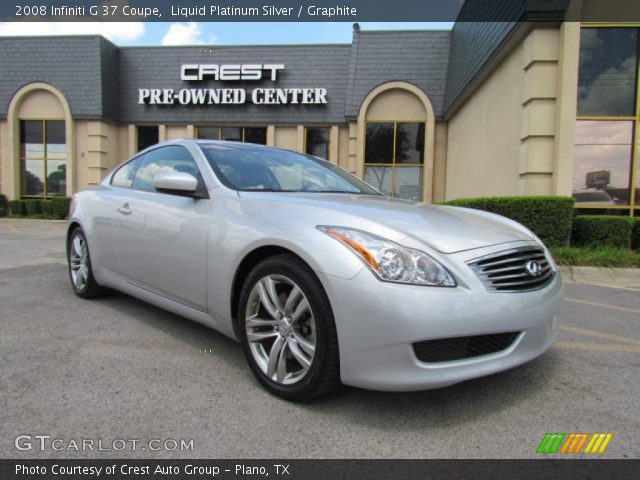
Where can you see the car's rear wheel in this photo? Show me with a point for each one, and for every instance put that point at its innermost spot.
(287, 329)
(80, 270)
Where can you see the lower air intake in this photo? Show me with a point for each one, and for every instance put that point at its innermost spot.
(460, 348)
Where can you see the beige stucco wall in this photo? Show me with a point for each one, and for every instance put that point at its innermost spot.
(123, 143)
(396, 105)
(568, 62)
(483, 136)
(504, 140)
(82, 149)
(286, 137)
(174, 132)
(343, 149)
(439, 162)
(99, 148)
(40, 105)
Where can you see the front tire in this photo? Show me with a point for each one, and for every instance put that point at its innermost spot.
(80, 271)
(287, 329)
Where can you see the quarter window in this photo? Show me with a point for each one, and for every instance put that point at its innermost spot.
(43, 158)
(125, 174)
(394, 158)
(164, 159)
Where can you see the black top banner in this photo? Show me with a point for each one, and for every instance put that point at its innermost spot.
(319, 10)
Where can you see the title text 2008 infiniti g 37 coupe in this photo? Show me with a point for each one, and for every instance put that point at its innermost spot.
(322, 278)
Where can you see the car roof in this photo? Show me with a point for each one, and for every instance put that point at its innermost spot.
(235, 145)
(230, 143)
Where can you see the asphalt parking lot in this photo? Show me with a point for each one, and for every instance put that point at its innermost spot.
(116, 368)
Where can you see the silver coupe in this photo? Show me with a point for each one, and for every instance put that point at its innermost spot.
(321, 278)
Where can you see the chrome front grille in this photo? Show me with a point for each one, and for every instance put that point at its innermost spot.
(515, 270)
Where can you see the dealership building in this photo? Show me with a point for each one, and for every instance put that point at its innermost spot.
(533, 106)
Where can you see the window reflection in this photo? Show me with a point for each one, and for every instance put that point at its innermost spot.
(209, 133)
(379, 178)
(602, 162)
(232, 134)
(43, 151)
(235, 134)
(318, 142)
(255, 135)
(607, 72)
(379, 144)
(31, 139)
(399, 145)
(408, 183)
(33, 177)
(410, 143)
(124, 176)
(168, 159)
(56, 178)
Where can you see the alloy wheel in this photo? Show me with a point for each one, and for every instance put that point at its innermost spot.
(79, 262)
(280, 329)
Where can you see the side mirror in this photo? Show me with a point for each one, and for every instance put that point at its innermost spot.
(177, 183)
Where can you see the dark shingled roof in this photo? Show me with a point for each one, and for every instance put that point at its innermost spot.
(418, 57)
(71, 64)
(475, 43)
(101, 80)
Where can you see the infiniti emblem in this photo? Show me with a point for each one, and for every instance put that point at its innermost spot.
(534, 269)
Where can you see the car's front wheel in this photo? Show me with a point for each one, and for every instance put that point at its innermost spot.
(288, 331)
(80, 270)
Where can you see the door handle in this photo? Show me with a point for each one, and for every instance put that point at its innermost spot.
(124, 209)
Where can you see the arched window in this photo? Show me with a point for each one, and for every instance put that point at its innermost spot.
(396, 125)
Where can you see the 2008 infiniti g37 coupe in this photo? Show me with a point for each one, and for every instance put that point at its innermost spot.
(322, 278)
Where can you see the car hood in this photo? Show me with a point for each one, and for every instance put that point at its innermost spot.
(446, 229)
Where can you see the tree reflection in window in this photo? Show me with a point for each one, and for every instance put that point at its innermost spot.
(57, 179)
(605, 159)
(43, 152)
(607, 74)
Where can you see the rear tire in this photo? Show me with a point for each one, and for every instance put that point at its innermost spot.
(287, 330)
(80, 271)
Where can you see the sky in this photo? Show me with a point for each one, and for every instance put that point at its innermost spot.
(196, 33)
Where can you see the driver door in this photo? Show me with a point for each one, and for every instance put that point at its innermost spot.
(163, 237)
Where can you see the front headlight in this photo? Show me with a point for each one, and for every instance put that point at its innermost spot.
(390, 261)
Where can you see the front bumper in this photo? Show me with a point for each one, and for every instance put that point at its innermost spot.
(378, 323)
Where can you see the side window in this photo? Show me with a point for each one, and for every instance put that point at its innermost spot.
(124, 175)
(164, 159)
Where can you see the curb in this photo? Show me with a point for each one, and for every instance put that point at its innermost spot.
(616, 277)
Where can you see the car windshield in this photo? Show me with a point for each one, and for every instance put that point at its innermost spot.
(250, 168)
